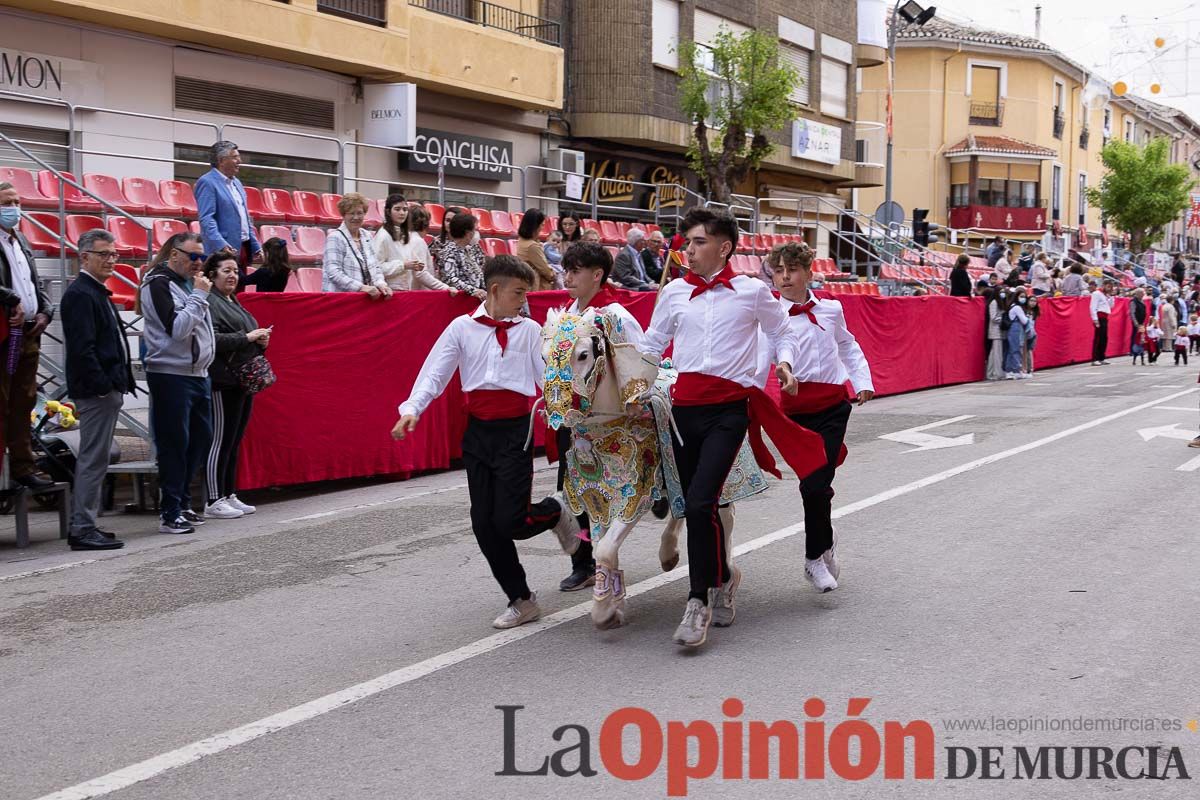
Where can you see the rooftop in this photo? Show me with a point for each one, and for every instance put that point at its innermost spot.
(998, 145)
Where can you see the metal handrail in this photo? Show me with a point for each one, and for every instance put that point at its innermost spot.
(341, 149)
(51, 101)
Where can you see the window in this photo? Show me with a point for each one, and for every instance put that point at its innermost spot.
(960, 195)
(1056, 192)
(284, 172)
(1145, 137)
(705, 29)
(985, 95)
(991, 192)
(664, 27)
(48, 145)
(1083, 198)
(800, 60)
(1128, 129)
(835, 78)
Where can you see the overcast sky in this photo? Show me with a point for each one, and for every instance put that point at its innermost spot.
(1113, 37)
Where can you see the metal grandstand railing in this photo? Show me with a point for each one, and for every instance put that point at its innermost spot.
(491, 15)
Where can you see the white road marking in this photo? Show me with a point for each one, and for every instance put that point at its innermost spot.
(1189, 466)
(1100, 385)
(1166, 386)
(928, 441)
(1174, 408)
(188, 754)
(1166, 432)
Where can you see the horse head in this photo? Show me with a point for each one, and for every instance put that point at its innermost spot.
(576, 348)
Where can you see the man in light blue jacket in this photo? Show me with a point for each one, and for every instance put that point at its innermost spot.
(225, 223)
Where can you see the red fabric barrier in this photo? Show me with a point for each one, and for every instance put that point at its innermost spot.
(345, 363)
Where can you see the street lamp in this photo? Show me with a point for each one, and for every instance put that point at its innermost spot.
(913, 13)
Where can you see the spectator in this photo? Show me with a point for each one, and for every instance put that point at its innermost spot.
(461, 264)
(435, 248)
(1033, 311)
(1018, 320)
(554, 254)
(1168, 320)
(1073, 284)
(1004, 266)
(960, 279)
(1039, 276)
(401, 251)
(592, 236)
(1178, 269)
(349, 264)
(239, 340)
(276, 268)
(29, 310)
(1101, 306)
(529, 250)
(225, 223)
(1137, 318)
(995, 251)
(996, 309)
(1194, 333)
(98, 376)
(570, 225)
(653, 257)
(627, 266)
(1025, 262)
(178, 339)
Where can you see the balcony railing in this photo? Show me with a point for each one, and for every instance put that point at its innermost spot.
(1059, 122)
(490, 15)
(987, 113)
(1084, 136)
(372, 12)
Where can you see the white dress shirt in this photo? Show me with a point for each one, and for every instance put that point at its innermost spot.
(633, 329)
(236, 195)
(22, 277)
(831, 355)
(473, 350)
(1101, 304)
(717, 332)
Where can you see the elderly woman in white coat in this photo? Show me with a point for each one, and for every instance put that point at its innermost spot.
(349, 263)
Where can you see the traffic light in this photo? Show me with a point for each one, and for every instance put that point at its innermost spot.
(924, 233)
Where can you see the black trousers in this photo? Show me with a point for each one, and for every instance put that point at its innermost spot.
(712, 435)
(499, 480)
(230, 416)
(1181, 352)
(582, 558)
(1100, 340)
(817, 489)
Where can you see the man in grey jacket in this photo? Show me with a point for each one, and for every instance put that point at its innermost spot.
(179, 347)
(627, 265)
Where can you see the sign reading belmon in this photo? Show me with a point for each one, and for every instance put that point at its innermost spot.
(468, 156)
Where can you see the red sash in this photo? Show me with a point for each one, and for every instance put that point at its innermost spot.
(803, 450)
(489, 404)
(812, 397)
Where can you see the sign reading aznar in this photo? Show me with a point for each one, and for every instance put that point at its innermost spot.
(468, 156)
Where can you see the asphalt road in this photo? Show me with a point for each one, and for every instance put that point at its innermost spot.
(338, 645)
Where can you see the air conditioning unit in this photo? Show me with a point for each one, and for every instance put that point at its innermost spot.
(560, 161)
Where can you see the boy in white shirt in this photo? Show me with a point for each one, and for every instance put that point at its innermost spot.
(829, 356)
(498, 355)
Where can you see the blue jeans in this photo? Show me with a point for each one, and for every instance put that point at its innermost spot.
(181, 422)
(1013, 355)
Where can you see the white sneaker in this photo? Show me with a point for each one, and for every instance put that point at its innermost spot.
(567, 527)
(245, 508)
(818, 574)
(723, 609)
(693, 630)
(1023, 376)
(831, 560)
(1010, 376)
(518, 613)
(220, 509)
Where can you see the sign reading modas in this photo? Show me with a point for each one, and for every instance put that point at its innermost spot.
(816, 141)
(635, 184)
(390, 114)
(467, 156)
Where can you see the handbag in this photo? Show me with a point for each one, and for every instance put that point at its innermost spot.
(255, 374)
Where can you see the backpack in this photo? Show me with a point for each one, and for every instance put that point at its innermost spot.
(1006, 320)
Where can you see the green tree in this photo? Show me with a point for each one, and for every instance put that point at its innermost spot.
(736, 92)
(1142, 192)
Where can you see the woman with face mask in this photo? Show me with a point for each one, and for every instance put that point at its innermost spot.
(1014, 357)
(996, 307)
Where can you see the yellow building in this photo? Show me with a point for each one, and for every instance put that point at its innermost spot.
(997, 133)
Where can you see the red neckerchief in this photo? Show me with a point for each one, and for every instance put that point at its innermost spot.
(722, 278)
(805, 309)
(501, 327)
(599, 300)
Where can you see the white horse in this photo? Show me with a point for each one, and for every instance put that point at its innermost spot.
(615, 401)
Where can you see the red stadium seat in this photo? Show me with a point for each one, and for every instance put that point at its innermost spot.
(166, 228)
(761, 244)
(309, 247)
(179, 193)
(26, 186)
(485, 226)
(329, 204)
(40, 240)
(589, 224)
(273, 231)
(551, 224)
(612, 251)
(108, 189)
(374, 219)
(141, 190)
(76, 200)
(131, 237)
(494, 247)
(436, 213)
(258, 212)
(504, 225)
(623, 229)
(609, 234)
(745, 243)
(309, 279)
(123, 294)
(77, 224)
(279, 201)
(310, 203)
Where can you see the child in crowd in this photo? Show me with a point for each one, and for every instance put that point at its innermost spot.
(1031, 332)
(498, 356)
(1153, 336)
(1194, 333)
(1181, 345)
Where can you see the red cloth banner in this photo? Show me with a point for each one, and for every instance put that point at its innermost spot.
(345, 362)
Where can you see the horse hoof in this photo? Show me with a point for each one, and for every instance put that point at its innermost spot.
(671, 564)
(613, 622)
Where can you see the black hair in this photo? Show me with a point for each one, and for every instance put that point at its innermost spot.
(214, 262)
(456, 210)
(575, 237)
(531, 223)
(500, 267)
(398, 234)
(275, 256)
(716, 223)
(962, 261)
(587, 255)
(462, 224)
